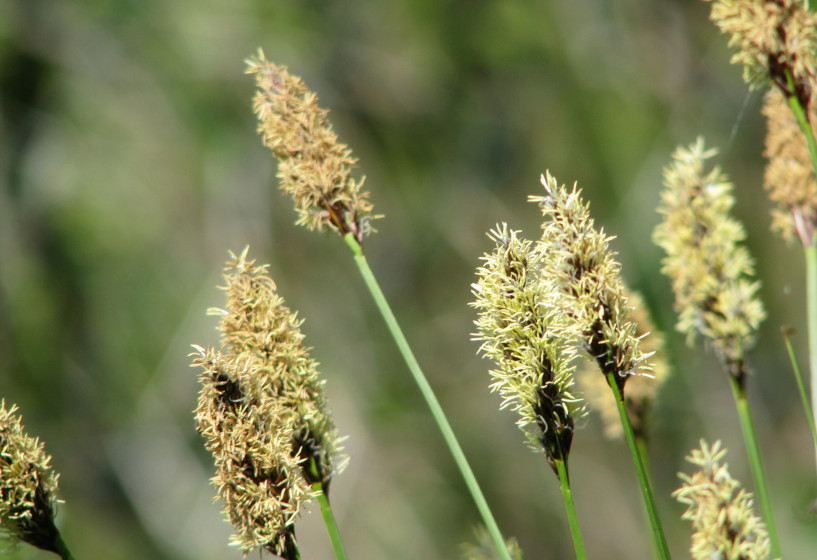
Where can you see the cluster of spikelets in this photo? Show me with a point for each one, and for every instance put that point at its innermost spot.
(541, 303)
(711, 273)
(28, 485)
(262, 412)
(720, 510)
(313, 166)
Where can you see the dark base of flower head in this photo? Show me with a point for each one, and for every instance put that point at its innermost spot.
(286, 546)
(39, 530)
(556, 426)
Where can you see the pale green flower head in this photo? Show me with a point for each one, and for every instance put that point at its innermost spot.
(711, 272)
(720, 510)
(28, 485)
(530, 345)
(313, 166)
(587, 279)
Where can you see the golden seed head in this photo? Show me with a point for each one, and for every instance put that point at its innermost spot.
(770, 38)
(523, 335)
(720, 510)
(483, 547)
(587, 278)
(28, 485)
(789, 176)
(313, 166)
(711, 272)
(263, 411)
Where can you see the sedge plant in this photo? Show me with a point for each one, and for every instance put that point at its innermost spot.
(314, 168)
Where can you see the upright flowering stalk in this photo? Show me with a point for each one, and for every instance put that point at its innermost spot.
(711, 274)
(531, 348)
(28, 488)
(315, 169)
(586, 279)
(720, 510)
(776, 41)
(263, 413)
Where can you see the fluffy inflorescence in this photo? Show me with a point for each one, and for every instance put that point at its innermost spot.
(642, 390)
(720, 510)
(711, 272)
(587, 279)
(263, 412)
(28, 485)
(313, 166)
(789, 175)
(529, 343)
(772, 39)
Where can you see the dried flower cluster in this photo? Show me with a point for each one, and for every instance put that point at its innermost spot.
(642, 390)
(710, 272)
(525, 337)
(313, 166)
(774, 40)
(789, 175)
(262, 411)
(587, 277)
(28, 485)
(720, 510)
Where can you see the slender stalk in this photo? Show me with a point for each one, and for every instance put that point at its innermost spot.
(752, 449)
(641, 443)
(430, 397)
(801, 387)
(811, 317)
(802, 120)
(570, 509)
(641, 471)
(62, 549)
(326, 512)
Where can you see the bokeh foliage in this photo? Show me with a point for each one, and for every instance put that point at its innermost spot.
(129, 166)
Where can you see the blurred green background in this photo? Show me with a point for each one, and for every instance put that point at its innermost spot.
(130, 165)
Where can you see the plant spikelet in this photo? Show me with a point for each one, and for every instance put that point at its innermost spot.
(789, 176)
(774, 40)
(711, 272)
(720, 510)
(641, 393)
(522, 335)
(587, 278)
(313, 166)
(483, 548)
(262, 391)
(28, 485)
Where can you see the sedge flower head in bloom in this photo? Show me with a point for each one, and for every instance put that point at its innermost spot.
(313, 166)
(773, 40)
(263, 412)
(28, 485)
(720, 510)
(258, 478)
(789, 176)
(527, 341)
(587, 278)
(711, 272)
(642, 390)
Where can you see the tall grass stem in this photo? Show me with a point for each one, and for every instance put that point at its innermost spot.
(801, 387)
(570, 509)
(327, 513)
(659, 540)
(755, 463)
(429, 396)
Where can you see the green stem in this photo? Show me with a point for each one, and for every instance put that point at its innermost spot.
(811, 318)
(326, 512)
(62, 549)
(641, 443)
(802, 119)
(570, 508)
(755, 463)
(430, 397)
(801, 387)
(641, 472)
